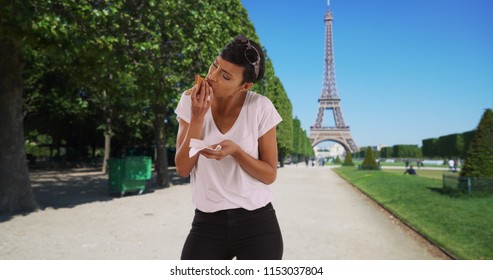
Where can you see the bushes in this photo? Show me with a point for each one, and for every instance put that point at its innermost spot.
(386, 152)
(451, 145)
(369, 163)
(337, 160)
(430, 147)
(479, 159)
(406, 151)
(348, 160)
(448, 146)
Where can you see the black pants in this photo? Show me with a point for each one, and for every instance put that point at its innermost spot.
(223, 235)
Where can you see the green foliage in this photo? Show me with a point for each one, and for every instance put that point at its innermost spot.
(431, 147)
(377, 154)
(302, 147)
(348, 160)
(37, 145)
(369, 163)
(131, 59)
(406, 151)
(479, 161)
(359, 154)
(448, 146)
(275, 91)
(467, 138)
(386, 152)
(119, 67)
(451, 145)
(337, 160)
(297, 137)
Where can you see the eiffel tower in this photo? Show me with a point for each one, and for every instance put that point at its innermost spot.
(329, 100)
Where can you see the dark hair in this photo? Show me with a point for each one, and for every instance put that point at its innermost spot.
(235, 53)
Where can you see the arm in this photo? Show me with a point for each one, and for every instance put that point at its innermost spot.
(185, 164)
(264, 169)
(186, 131)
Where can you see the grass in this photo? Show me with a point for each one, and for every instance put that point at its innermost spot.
(432, 174)
(400, 163)
(461, 224)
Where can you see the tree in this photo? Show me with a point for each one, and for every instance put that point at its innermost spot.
(337, 160)
(479, 159)
(69, 33)
(185, 37)
(297, 140)
(15, 188)
(302, 147)
(369, 163)
(275, 92)
(348, 160)
(117, 59)
(386, 152)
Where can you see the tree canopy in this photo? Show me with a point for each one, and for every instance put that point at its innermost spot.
(76, 71)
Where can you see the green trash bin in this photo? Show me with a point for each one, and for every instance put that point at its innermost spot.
(129, 174)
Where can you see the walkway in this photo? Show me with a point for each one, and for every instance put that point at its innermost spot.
(322, 217)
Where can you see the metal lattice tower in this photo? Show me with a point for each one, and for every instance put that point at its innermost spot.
(329, 99)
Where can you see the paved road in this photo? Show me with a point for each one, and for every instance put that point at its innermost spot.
(322, 217)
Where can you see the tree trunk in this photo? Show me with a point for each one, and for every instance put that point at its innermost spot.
(280, 157)
(107, 134)
(16, 194)
(161, 163)
(107, 148)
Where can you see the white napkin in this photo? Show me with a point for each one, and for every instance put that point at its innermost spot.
(197, 145)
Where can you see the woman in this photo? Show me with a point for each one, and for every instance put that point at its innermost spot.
(234, 216)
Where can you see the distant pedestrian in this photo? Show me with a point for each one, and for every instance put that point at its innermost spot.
(451, 164)
(407, 163)
(410, 171)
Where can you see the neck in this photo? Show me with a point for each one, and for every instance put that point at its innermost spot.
(225, 105)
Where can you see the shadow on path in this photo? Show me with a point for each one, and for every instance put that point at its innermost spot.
(69, 190)
(73, 187)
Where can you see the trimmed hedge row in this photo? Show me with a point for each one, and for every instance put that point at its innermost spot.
(396, 151)
(448, 146)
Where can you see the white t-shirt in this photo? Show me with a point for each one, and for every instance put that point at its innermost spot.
(223, 184)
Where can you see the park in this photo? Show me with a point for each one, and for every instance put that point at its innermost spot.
(84, 83)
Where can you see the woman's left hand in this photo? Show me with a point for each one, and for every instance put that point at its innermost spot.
(228, 148)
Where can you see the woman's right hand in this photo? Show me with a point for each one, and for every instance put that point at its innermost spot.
(201, 99)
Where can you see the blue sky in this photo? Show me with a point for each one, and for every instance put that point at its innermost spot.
(405, 70)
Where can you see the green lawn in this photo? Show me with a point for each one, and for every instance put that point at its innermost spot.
(400, 163)
(433, 174)
(460, 223)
